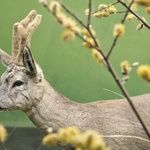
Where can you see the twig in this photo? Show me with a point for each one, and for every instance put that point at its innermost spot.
(134, 13)
(125, 93)
(97, 48)
(112, 47)
(82, 24)
(105, 7)
(89, 14)
(124, 18)
(116, 38)
(69, 12)
(88, 26)
(119, 12)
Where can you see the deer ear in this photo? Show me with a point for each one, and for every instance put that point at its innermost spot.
(28, 61)
(5, 58)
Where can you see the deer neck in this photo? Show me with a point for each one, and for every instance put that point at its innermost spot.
(53, 110)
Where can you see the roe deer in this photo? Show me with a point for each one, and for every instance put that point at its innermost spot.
(25, 88)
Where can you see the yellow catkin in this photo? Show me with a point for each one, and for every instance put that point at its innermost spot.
(148, 10)
(103, 11)
(119, 30)
(102, 7)
(143, 2)
(61, 17)
(90, 42)
(88, 140)
(98, 57)
(112, 9)
(3, 133)
(68, 23)
(76, 30)
(98, 14)
(65, 134)
(43, 2)
(54, 7)
(125, 66)
(144, 72)
(50, 139)
(86, 32)
(67, 35)
(93, 140)
(139, 26)
(87, 12)
(134, 7)
(144, 19)
(130, 17)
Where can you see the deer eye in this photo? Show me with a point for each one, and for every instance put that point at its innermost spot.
(17, 83)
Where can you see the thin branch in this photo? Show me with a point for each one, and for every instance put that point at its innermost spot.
(96, 46)
(73, 15)
(125, 93)
(89, 14)
(96, 43)
(134, 13)
(82, 24)
(112, 47)
(119, 12)
(124, 18)
(105, 7)
(116, 38)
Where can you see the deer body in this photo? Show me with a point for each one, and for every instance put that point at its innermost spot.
(114, 119)
(25, 88)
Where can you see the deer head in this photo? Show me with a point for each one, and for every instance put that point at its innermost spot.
(22, 71)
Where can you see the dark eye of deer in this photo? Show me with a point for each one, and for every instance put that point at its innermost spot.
(17, 83)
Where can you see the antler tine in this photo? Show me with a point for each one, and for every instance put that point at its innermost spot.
(5, 58)
(32, 26)
(16, 36)
(22, 35)
(28, 18)
(16, 41)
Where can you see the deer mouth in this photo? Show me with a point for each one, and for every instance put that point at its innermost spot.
(2, 109)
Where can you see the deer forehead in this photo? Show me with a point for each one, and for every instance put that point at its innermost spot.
(14, 72)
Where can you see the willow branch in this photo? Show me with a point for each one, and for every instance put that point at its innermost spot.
(89, 13)
(126, 95)
(109, 66)
(82, 24)
(134, 13)
(116, 38)
(73, 15)
(105, 7)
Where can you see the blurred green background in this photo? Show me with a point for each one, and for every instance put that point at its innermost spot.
(69, 67)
